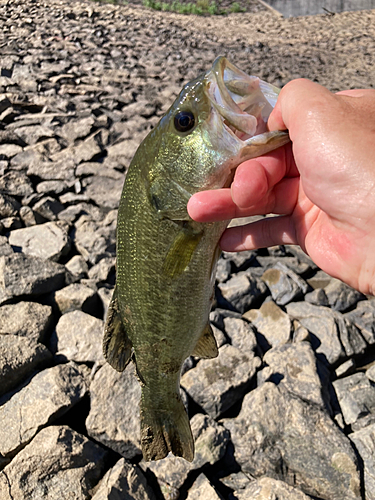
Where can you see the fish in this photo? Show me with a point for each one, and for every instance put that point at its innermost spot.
(166, 262)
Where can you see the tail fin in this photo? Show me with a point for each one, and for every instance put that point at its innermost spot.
(163, 431)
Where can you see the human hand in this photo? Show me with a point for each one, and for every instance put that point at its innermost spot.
(323, 184)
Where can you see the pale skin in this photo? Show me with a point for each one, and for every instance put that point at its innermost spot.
(322, 185)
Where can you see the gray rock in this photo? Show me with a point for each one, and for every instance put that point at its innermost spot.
(281, 436)
(48, 208)
(356, 396)
(104, 191)
(16, 184)
(294, 367)
(25, 275)
(77, 129)
(114, 411)
(364, 441)
(29, 217)
(32, 134)
(202, 488)
(363, 317)
(216, 384)
(79, 337)
(94, 240)
(321, 323)
(242, 291)
(272, 322)
(284, 284)
(317, 297)
(76, 297)
(210, 440)
(236, 481)
(341, 296)
(319, 280)
(345, 368)
(370, 373)
(52, 187)
(47, 241)
(267, 488)
(49, 394)
(105, 295)
(77, 267)
(58, 463)
(124, 481)
(241, 334)
(9, 206)
(103, 271)
(19, 356)
(26, 319)
(223, 270)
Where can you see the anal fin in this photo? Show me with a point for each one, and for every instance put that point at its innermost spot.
(206, 346)
(117, 346)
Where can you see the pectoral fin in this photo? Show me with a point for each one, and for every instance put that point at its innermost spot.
(180, 252)
(117, 346)
(206, 346)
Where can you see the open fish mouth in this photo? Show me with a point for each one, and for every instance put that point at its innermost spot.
(243, 103)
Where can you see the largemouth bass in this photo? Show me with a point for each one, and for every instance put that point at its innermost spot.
(166, 262)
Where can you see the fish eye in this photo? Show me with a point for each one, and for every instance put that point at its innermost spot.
(184, 121)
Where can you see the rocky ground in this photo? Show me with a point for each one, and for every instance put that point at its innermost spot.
(287, 410)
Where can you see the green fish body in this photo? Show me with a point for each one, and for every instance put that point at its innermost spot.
(166, 262)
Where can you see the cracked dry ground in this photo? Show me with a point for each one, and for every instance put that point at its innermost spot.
(290, 412)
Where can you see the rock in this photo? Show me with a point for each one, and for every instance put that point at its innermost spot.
(26, 275)
(26, 319)
(364, 441)
(124, 481)
(294, 367)
(202, 488)
(47, 241)
(342, 297)
(356, 396)
(77, 297)
(317, 297)
(105, 295)
(320, 322)
(52, 187)
(49, 394)
(9, 206)
(16, 184)
(284, 284)
(241, 334)
(104, 191)
(93, 240)
(271, 322)
(281, 436)
(114, 412)
(242, 291)
(363, 317)
(77, 129)
(267, 488)
(346, 368)
(30, 218)
(319, 280)
(19, 356)
(104, 271)
(210, 440)
(32, 134)
(370, 373)
(216, 384)
(223, 270)
(48, 208)
(236, 481)
(58, 463)
(77, 267)
(79, 337)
